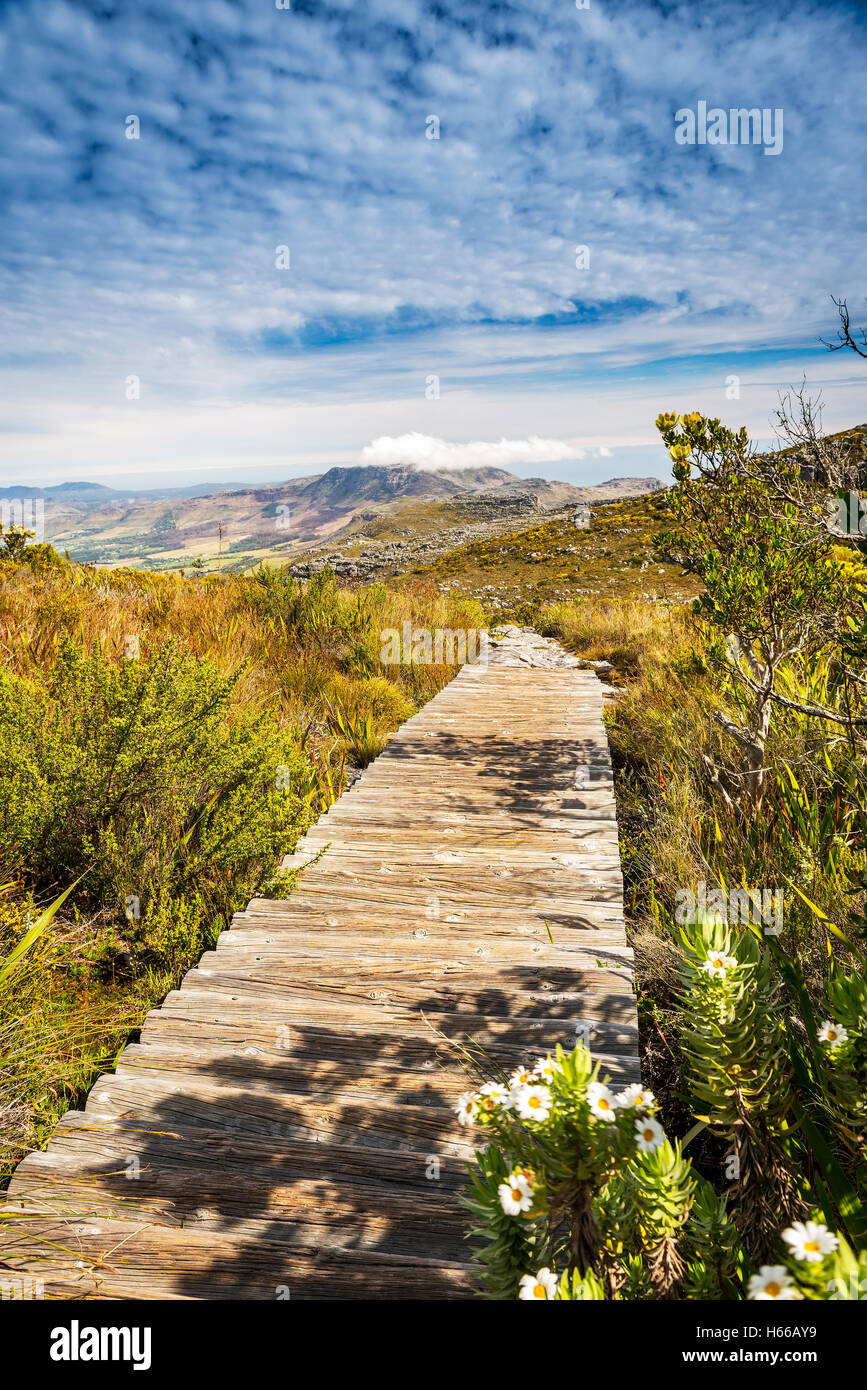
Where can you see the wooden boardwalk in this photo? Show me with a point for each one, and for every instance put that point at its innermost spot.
(285, 1126)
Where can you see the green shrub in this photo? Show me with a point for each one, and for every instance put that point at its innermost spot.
(580, 1194)
(143, 779)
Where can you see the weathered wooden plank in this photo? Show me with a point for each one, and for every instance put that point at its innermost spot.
(288, 1112)
(84, 1258)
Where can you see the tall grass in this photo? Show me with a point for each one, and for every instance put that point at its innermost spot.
(164, 740)
(678, 831)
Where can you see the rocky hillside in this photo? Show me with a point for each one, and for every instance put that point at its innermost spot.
(519, 558)
(237, 529)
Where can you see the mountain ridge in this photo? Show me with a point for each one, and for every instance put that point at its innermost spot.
(245, 525)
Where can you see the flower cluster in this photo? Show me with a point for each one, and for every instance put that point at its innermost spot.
(532, 1096)
(527, 1093)
(554, 1124)
(576, 1164)
(809, 1243)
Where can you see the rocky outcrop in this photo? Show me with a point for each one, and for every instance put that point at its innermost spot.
(498, 504)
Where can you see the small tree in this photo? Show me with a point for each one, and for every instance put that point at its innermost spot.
(778, 585)
(14, 542)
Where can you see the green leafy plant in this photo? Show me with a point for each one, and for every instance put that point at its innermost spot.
(739, 1070)
(579, 1195)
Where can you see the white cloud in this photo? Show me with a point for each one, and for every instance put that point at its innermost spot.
(429, 453)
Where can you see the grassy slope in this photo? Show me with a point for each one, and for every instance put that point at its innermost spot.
(304, 689)
(557, 560)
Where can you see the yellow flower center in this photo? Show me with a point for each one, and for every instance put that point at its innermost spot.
(648, 1134)
(538, 1290)
(517, 1194)
(811, 1245)
(773, 1290)
(488, 1103)
(534, 1102)
(603, 1103)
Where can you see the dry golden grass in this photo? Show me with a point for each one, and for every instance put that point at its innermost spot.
(306, 656)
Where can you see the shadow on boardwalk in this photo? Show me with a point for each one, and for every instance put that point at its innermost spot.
(287, 1126)
(294, 1174)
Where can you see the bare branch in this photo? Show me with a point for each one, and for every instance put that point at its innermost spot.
(845, 338)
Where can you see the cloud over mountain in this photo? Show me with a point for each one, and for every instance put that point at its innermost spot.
(426, 452)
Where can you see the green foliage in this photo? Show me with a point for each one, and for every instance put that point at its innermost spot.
(312, 612)
(590, 1192)
(140, 780)
(31, 936)
(846, 1066)
(739, 1073)
(15, 543)
(763, 565)
(505, 1247)
(777, 586)
(359, 733)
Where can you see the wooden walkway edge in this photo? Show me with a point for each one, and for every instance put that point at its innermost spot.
(285, 1126)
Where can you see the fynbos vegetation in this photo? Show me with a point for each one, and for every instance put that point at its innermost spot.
(737, 1170)
(163, 743)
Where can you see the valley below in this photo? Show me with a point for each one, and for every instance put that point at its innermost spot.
(367, 517)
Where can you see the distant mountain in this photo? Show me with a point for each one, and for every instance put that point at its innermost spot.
(98, 492)
(366, 482)
(385, 482)
(557, 494)
(85, 492)
(170, 529)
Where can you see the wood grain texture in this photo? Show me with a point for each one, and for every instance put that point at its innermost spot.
(285, 1125)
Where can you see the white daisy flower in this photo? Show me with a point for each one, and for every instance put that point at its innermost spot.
(772, 1281)
(603, 1103)
(516, 1195)
(547, 1068)
(542, 1284)
(493, 1094)
(832, 1033)
(649, 1133)
(533, 1102)
(810, 1241)
(467, 1108)
(522, 1076)
(636, 1097)
(717, 964)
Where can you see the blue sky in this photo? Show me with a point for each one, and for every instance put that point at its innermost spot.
(413, 258)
